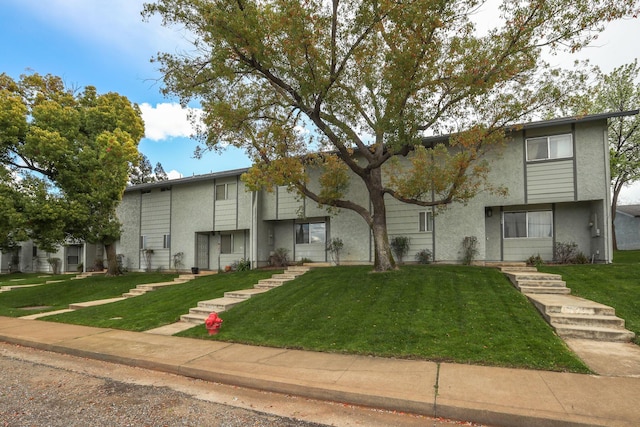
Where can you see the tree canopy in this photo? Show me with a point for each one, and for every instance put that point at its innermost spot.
(142, 172)
(620, 91)
(370, 79)
(65, 160)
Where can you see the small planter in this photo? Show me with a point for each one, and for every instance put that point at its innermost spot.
(195, 270)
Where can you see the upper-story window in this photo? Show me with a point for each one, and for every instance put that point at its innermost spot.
(550, 147)
(225, 191)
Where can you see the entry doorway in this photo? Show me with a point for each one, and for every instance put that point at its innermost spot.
(202, 251)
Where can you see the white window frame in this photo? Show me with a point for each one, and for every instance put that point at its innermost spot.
(528, 224)
(425, 221)
(143, 242)
(552, 145)
(166, 241)
(316, 232)
(226, 191)
(223, 249)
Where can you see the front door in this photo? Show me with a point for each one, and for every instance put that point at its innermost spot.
(202, 251)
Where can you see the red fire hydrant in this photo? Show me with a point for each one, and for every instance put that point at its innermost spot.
(213, 323)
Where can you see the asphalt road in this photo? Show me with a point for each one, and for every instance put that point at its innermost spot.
(39, 388)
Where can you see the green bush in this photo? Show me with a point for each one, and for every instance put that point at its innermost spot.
(535, 260)
(424, 256)
(400, 246)
(279, 258)
(242, 265)
(469, 249)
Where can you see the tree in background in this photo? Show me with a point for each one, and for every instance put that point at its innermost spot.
(372, 78)
(159, 172)
(620, 91)
(66, 158)
(143, 173)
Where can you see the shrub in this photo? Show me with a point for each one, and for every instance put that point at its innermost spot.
(242, 265)
(469, 249)
(177, 260)
(122, 268)
(279, 258)
(565, 253)
(423, 256)
(400, 246)
(535, 260)
(334, 247)
(55, 264)
(581, 258)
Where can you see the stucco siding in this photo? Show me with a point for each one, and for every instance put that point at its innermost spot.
(592, 161)
(192, 212)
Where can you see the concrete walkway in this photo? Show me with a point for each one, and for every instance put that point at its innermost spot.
(494, 396)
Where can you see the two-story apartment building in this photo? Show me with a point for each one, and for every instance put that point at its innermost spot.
(556, 172)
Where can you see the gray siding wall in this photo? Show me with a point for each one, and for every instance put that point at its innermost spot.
(155, 213)
(551, 181)
(521, 249)
(627, 231)
(404, 220)
(128, 213)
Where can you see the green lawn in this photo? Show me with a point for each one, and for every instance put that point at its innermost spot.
(162, 306)
(56, 296)
(435, 312)
(19, 279)
(616, 285)
(446, 313)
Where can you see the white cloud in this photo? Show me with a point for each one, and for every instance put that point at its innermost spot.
(174, 174)
(167, 120)
(117, 24)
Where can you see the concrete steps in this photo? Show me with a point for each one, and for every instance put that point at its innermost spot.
(148, 287)
(197, 315)
(534, 282)
(574, 317)
(571, 317)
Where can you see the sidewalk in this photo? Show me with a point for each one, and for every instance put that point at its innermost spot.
(494, 396)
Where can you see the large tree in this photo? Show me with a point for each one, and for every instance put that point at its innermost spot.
(372, 78)
(620, 91)
(65, 158)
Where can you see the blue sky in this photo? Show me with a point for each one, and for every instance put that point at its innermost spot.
(105, 43)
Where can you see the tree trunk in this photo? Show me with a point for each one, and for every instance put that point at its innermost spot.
(614, 207)
(112, 260)
(383, 260)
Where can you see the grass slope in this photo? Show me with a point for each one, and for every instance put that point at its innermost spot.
(162, 306)
(446, 313)
(21, 279)
(56, 296)
(616, 285)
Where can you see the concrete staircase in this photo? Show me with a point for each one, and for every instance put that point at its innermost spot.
(148, 287)
(199, 314)
(530, 281)
(568, 315)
